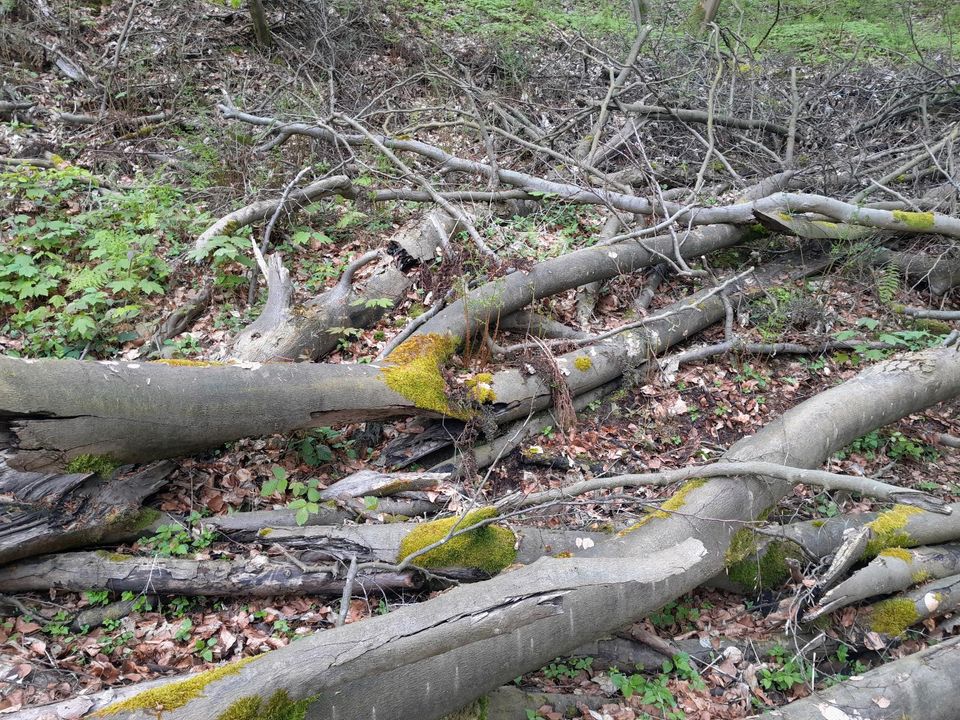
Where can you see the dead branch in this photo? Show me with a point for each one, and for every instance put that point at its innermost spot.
(820, 478)
(263, 209)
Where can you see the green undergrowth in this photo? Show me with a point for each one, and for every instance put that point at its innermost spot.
(514, 20)
(819, 32)
(81, 264)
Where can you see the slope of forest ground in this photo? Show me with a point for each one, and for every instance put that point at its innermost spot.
(116, 159)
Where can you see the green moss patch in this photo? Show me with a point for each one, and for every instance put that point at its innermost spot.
(481, 388)
(582, 363)
(893, 617)
(488, 548)
(102, 465)
(755, 567)
(477, 710)
(174, 695)
(679, 498)
(914, 220)
(278, 707)
(415, 373)
(898, 553)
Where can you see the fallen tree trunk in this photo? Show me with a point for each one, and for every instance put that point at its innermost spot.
(916, 686)
(46, 513)
(52, 411)
(900, 526)
(258, 577)
(890, 572)
(897, 614)
(429, 659)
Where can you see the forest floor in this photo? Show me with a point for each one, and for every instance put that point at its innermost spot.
(181, 172)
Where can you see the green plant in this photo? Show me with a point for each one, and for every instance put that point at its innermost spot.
(681, 665)
(204, 648)
(383, 607)
(141, 603)
(174, 539)
(674, 613)
(650, 691)
(899, 446)
(567, 669)
(281, 627)
(317, 447)
(110, 644)
(180, 606)
(533, 714)
(868, 445)
(786, 672)
(372, 303)
(183, 632)
(97, 597)
(78, 264)
(752, 377)
(59, 624)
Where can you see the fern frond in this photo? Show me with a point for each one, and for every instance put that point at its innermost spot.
(888, 284)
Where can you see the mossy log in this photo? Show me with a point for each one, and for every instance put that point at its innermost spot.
(895, 615)
(429, 659)
(893, 570)
(53, 411)
(895, 527)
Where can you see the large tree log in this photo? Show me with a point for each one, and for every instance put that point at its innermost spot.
(426, 660)
(132, 411)
(53, 410)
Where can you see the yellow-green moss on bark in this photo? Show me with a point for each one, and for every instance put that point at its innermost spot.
(481, 388)
(888, 530)
(758, 568)
(893, 617)
(278, 707)
(415, 372)
(102, 465)
(184, 362)
(114, 557)
(175, 695)
(582, 363)
(679, 498)
(671, 505)
(488, 548)
(914, 220)
(898, 553)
